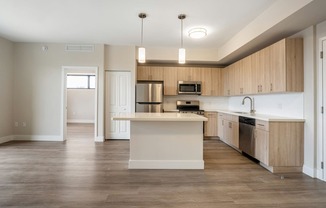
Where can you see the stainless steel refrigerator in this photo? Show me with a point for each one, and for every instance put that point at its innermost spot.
(149, 97)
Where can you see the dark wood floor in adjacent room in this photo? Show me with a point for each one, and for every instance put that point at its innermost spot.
(81, 173)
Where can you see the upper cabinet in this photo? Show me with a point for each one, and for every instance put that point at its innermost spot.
(170, 80)
(274, 69)
(286, 69)
(210, 77)
(153, 73)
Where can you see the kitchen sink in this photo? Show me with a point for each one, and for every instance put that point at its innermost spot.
(242, 112)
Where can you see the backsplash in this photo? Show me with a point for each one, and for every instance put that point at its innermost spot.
(206, 103)
(285, 105)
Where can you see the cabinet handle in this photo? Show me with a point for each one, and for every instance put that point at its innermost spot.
(271, 87)
(258, 88)
(230, 125)
(260, 124)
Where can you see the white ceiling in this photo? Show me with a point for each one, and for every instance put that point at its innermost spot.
(236, 28)
(116, 22)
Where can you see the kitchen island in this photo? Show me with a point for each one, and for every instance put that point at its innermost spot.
(165, 140)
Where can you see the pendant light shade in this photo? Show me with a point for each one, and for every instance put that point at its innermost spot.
(141, 55)
(182, 50)
(141, 49)
(182, 55)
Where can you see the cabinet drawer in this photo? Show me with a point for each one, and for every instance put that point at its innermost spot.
(232, 118)
(210, 114)
(263, 125)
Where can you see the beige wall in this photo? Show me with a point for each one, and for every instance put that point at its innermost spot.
(38, 85)
(6, 88)
(80, 105)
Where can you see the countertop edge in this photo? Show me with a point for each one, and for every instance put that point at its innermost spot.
(262, 117)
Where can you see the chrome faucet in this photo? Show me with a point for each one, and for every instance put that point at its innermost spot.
(252, 110)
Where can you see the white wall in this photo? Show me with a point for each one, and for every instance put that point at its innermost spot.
(80, 105)
(6, 89)
(38, 86)
(286, 105)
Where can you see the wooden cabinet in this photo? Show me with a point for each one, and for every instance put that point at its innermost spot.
(226, 84)
(230, 133)
(286, 66)
(220, 125)
(206, 79)
(279, 145)
(245, 76)
(188, 74)
(210, 126)
(216, 82)
(149, 73)
(261, 142)
(170, 78)
(277, 68)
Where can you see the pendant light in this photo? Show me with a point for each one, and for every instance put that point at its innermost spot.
(141, 49)
(182, 50)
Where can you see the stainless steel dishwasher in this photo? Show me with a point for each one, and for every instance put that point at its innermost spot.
(246, 135)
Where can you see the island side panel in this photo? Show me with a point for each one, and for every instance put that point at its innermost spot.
(166, 145)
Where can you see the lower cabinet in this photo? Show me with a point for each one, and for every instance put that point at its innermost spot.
(210, 126)
(279, 145)
(228, 129)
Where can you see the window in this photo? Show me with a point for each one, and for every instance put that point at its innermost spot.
(81, 81)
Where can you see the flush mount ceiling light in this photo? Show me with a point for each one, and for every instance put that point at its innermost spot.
(182, 50)
(141, 49)
(197, 33)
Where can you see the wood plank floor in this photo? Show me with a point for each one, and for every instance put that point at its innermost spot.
(81, 173)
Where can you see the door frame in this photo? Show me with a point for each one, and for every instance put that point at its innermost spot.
(321, 119)
(73, 69)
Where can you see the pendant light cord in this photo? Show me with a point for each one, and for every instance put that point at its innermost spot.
(142, 16)
(182, 17)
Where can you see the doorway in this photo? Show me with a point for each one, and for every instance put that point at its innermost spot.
(82, 77)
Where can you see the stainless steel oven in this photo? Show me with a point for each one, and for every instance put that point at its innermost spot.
(246, 135)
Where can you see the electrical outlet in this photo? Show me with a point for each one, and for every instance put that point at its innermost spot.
(16, 124)
(24, 124)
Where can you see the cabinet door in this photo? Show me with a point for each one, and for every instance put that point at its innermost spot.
(220, 126)
(246, 76)
(232, 79)
(234, 134)
(210, 126)
(216, 82)
(265, 67)
(189, 74)
(170, 80)
(206, 79)
(225, 78)
(277, 73)
(143, 73)
(262, 146)
(236, 67)
(156, 73)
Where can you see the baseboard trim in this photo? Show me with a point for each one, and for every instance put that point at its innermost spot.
(47, 138)
(80, 121)
(6, 139)
(99, 139)
(309, 171)
(166, 164)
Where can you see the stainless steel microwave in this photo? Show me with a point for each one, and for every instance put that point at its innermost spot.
(189, 87)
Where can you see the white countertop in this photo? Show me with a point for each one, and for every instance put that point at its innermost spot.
(263, 117)
(160, 117)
